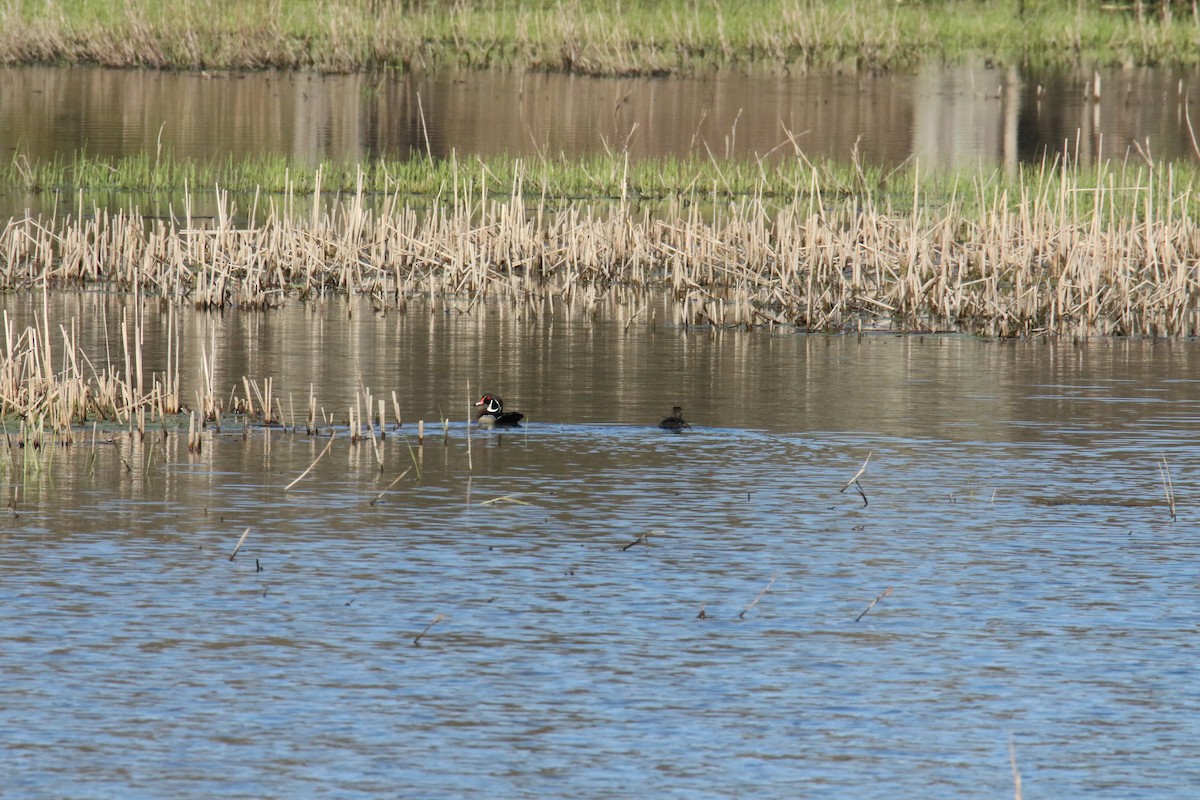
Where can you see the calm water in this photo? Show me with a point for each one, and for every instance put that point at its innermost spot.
(1041, 594)
(942, 115)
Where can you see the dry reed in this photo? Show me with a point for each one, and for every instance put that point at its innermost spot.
(754, 602)
(238, 547)
(1164, 474)
(1012, 760)
(885, 593)
(300, 477)
(1065, 257)
(436, 620)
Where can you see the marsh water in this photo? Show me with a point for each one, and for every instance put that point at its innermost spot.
(593, 607)
(943, 115)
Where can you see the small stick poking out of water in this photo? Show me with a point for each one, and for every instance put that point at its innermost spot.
(241, 541)
(766, 588)
(886, 592)
(1164, 472)
(436, 620)
(332, 436)
(643, 539)
(854, 481)
(390, 485)
(1012, 759)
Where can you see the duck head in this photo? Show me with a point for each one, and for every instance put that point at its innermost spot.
(488, 405)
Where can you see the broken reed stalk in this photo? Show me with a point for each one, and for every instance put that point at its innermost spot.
(742, 613)
(858, 474)
(854, 481)
(436, 620)
(390, 485)
(643, 539)
(332, 436)
(1164, 474)
(886, 592)
(1012, 760)
(241, 541)
(508, 498)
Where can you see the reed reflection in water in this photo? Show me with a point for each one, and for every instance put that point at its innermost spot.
(1014, 507)
(947, 115)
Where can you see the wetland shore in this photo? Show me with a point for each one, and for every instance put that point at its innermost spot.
(594, 37)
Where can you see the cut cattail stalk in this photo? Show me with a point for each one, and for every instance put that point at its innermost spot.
(886, 592)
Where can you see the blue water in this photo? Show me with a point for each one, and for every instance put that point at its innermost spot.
(1042, 605)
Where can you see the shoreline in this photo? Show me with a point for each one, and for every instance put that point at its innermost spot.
(591, 37)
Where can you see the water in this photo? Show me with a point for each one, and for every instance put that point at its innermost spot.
(943, 115)
(1042, 597)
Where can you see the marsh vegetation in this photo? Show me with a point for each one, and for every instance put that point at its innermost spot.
(596, 37)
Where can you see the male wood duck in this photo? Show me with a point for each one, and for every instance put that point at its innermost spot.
(675, 422)
(491, 413)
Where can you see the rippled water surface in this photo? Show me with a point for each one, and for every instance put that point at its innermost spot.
(1043, 603)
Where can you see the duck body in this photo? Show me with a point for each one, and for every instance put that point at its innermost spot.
(490, 413)
(675, 422)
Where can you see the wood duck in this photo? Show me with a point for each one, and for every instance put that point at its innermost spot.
(491, 413)
(675, 422)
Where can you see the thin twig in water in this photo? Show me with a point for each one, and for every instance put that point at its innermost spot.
(241, 541)
(508, 498)
(760, 597)
(1164, 472)
(886, 592)
(857, 475)
(436, 620)
(643, 539)
(854, 481)
(390, 485)
(1012, 759)
(332, 436)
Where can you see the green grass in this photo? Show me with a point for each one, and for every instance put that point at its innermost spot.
(590, 36)
(779, 181)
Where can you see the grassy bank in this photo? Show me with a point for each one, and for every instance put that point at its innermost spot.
(553, 181)
(591, 36)
(1109, 251)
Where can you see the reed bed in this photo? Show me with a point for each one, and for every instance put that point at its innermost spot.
(51, 385)
(600, 37)
(608, 176)
(50, 390)
(1056, 251)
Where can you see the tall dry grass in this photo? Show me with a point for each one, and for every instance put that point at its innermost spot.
(1054, 255)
